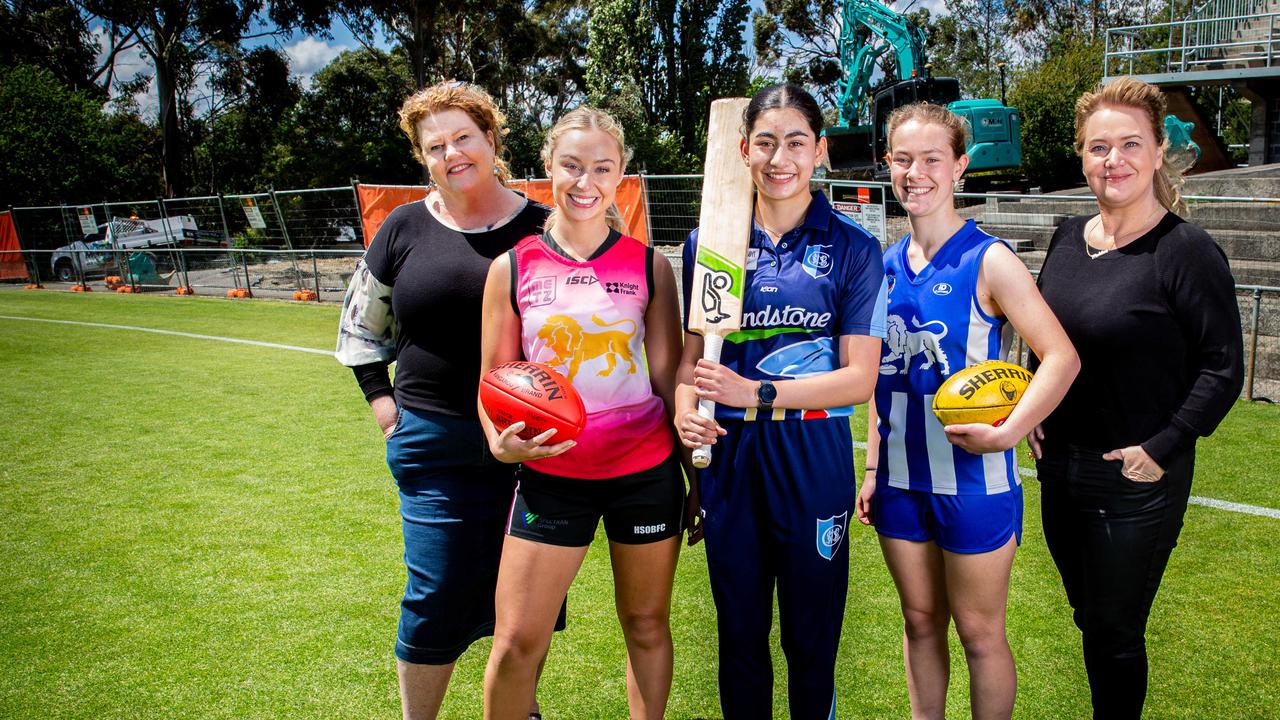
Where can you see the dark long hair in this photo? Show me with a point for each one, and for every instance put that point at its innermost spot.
(783, 95)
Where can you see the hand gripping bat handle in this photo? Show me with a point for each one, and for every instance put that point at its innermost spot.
(706, 408)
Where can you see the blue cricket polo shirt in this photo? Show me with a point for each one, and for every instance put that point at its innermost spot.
(823, 279)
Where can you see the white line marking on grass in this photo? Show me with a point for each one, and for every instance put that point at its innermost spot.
(1236, 507)
(1195, 500)
(218, 338)
(1207, 502)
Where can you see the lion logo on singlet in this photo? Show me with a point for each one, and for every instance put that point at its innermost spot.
(573, 345)
(905, 344)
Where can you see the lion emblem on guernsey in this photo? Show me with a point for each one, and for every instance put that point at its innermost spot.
(573, 345)
(905, 344)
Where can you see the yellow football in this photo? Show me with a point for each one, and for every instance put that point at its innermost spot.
(984, 393)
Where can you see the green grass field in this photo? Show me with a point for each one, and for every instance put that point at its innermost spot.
(192, 528)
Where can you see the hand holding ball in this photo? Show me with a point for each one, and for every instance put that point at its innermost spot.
(533, 393)
(985, 393)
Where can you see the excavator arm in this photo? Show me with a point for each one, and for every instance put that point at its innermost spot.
(863, 22)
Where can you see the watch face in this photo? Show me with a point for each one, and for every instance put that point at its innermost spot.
(767, 393)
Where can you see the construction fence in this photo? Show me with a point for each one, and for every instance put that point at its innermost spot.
(306, 243)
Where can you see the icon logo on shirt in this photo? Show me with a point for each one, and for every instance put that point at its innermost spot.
(942, 289)
(902, 344)
(802, 359)
(542, 291)
(573, 345)
(621, 288)
(816, 262)
(830, 533)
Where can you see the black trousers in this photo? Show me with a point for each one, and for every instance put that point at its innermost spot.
(1111, 538)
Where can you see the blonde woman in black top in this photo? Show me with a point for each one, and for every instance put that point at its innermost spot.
(1148, 301)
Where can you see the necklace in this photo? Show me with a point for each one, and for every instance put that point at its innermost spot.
(770, 231)
(1096, 223)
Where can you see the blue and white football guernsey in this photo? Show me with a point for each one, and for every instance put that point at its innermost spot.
(778, 496)
(935, 328)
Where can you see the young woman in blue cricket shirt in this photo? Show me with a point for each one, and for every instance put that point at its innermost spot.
(778, 496)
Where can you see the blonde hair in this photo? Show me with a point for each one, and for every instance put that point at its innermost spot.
(1129, 92)
(589, 118)
(455, 95)
(925, 114)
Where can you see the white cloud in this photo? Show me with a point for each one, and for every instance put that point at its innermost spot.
(309, 55)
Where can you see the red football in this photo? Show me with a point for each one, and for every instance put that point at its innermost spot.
(538, 395)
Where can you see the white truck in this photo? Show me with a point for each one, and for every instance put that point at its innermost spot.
(101, 252)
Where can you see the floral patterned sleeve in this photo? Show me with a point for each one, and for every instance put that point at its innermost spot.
(367, 329)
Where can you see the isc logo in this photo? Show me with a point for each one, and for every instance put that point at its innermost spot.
(581, 280)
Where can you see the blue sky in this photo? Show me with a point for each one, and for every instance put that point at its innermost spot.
(307, 54)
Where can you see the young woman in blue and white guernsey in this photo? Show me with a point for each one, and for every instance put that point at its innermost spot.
(947, 502)
(778, 496)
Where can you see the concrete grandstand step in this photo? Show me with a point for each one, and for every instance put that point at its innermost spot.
(1240, 245)
(1023, 219)
(1210, 215)
(1020, 236)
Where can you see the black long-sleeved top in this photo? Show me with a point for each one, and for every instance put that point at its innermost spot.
(1158, 332)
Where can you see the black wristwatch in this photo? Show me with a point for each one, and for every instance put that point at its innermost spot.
(766, 394)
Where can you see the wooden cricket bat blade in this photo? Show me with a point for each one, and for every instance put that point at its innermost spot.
(724, 233)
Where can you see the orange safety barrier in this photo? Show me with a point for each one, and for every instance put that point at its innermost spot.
(377, 202)
(12, 266)
(305, 295)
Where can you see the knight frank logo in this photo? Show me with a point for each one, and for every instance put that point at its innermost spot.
(830, 533)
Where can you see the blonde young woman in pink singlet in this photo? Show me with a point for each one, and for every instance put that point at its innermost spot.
(601, 308)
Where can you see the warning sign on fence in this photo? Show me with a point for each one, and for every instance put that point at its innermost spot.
(252, 212)
(864, 204)
(88, 225)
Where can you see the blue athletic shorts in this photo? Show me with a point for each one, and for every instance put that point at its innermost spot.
(963, 524)
(454, 499)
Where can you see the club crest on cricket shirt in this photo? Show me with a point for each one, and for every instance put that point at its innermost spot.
(817, 262)
(830, 534)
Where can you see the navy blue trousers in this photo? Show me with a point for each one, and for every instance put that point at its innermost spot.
(776, 503)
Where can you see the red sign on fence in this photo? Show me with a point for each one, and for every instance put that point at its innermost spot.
(12, 266)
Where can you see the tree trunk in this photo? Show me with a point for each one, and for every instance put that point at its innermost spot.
(175, 179)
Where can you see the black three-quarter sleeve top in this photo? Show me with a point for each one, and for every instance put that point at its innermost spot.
(416, 298)
(1158, 332)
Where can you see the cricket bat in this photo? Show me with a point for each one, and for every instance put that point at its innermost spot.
(724, 231)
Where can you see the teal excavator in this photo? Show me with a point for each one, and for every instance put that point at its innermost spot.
(869, 30)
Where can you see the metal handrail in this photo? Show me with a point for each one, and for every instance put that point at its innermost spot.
(1198, 38)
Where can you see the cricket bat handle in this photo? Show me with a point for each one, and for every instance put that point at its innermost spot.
(707, 408)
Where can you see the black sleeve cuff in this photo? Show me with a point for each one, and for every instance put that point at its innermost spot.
(1169, 443)
(374, 379)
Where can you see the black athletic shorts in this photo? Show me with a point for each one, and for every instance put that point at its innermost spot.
(639, 508)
